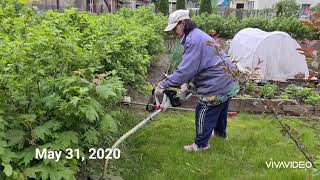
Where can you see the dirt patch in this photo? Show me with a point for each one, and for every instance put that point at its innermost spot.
(154, 76)
(158, 69)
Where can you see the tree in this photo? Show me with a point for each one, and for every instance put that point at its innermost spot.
(181, 4)
(163, 6)
(287, 8)
(205, 6)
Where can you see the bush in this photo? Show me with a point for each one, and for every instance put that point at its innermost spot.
(306, 95)
(181, 4)
(287, 8)
(314, 24)
(227, 27)
(260, 22)
(268, 90)
(205, 6)
(209, 23)
(292, 26)
(61, 75)
(230, 26)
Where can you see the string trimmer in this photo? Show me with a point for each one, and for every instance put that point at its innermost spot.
(170, 98)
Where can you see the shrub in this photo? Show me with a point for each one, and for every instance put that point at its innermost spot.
(256, 22)
(314, 24)
(292, 26)
(268, 90)
(209, 23)
(287, 8)
(231, 25)
(61, 75)
(227, 27)
(306, 95)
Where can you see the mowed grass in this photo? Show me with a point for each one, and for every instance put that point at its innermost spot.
(156, 151)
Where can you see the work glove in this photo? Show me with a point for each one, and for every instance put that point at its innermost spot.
(184, 87)
(165, 103)
(183, 91)
(158, 93)
(159, 90)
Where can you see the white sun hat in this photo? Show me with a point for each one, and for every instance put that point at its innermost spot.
(175, 17)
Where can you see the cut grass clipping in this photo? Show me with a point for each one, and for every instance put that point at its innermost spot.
(156, 152)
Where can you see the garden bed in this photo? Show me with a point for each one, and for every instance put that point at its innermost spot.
(255, 106)
(297, 82)
(280, 106)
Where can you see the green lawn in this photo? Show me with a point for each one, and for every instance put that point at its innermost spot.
(156, 152)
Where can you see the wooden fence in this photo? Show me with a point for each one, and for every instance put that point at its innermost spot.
(241, 13)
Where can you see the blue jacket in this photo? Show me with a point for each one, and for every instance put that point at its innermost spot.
(201, 66)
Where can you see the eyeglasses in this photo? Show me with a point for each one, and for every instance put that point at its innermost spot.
(180, 22)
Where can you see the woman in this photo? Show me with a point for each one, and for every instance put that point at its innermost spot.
(204, 68)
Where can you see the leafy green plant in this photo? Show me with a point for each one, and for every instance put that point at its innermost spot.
(208, 22)
(292, 26)
(306, 95)
(287, 8)
(61, 75)
(313, 100)
(314, 24)
(227, 27)
(256, 22)
(268, 90)
(292, 90)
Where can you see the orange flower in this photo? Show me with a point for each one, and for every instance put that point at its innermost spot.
(213, 34)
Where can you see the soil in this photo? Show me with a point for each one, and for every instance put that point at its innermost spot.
(158, 69)
(155, 74)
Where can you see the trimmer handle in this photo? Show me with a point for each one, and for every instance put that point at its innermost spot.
(165, 102)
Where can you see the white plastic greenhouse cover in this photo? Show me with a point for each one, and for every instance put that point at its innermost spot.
(276, 50)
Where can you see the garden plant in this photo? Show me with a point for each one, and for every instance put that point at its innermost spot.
(63, 76)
